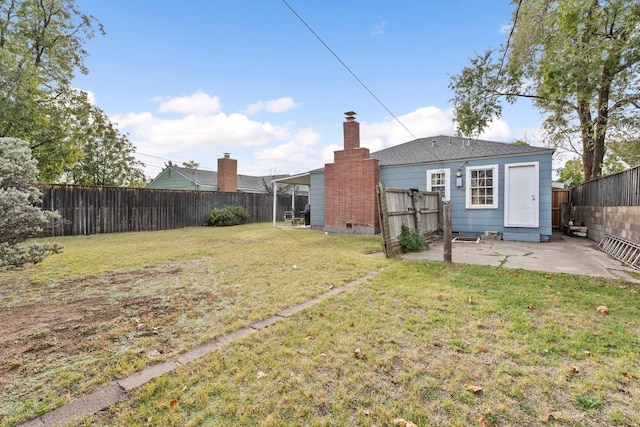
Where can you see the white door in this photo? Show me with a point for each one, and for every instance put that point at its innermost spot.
(521, 204)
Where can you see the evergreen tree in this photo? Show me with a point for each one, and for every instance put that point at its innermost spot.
(21, 218)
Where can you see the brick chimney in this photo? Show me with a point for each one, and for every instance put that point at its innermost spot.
(350, 200)
(351, 130)
(227, 174)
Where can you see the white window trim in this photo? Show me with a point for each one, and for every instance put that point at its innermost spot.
(447, 182)
(496, 186)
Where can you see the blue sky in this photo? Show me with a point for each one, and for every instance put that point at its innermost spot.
(194, 80)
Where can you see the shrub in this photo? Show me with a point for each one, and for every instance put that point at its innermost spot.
(22, 218)
(411, 240)
(228, 215)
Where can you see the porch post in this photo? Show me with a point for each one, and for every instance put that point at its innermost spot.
(274, 189)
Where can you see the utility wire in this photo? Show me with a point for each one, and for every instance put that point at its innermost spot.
(175, 162)
(348, 69)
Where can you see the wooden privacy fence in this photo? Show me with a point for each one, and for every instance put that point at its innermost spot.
(97, 210)
(620, 189)
(418, 210)
(609, 206)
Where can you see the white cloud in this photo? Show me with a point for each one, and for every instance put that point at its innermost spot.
(279, 105)
(423, 122)
(197, 103)
(498, 130)
(91, 97)
(193, 130)
(299, 153)
(262, 148)
(379, 28)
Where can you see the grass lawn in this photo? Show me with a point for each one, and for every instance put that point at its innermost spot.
(434, 344)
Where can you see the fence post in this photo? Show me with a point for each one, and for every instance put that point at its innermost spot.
(384, 220)
(447, 231)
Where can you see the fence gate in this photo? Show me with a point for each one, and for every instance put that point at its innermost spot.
(559, 201)
(419, 210)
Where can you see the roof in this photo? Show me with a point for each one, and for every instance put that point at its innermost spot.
(443, 148)
(210, 178)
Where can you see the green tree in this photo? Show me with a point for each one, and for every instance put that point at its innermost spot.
(571, 174)
(41, 48)
(107, 155)
(21, 218)
(191, 164)
(577, 60)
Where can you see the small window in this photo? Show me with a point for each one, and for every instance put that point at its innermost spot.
(439, 180)
(482, 187)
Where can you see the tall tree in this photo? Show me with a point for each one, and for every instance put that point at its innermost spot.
(107, 155)
(20, 217)
(191, 164)
(41, 49)
(577, 60)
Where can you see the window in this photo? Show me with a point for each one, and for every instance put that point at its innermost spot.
(482, 187)
(439, 180)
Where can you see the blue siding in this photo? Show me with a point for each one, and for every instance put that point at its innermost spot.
(316, 199)
(477, 221)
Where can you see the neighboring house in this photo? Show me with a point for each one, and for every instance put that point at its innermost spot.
(492, 186)
(225, 179)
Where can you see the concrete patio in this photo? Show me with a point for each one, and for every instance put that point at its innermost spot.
(562, 254)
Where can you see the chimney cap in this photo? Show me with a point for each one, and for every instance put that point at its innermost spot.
(350, 113)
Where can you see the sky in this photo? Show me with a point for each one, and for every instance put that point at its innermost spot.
(190, 81)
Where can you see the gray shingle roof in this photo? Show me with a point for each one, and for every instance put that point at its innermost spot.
(445, 148)
(245, 182)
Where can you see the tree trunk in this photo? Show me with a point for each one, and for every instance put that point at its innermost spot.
(588, 142)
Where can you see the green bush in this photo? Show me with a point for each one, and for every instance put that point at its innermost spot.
(228, 215)
(411, 240)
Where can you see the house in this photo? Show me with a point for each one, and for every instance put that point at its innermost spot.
(492, 186)
(226, 179)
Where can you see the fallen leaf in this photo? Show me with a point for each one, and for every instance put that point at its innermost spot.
(359, 354)
(439, 297)
(483, 420)
(627, 375)
(603, 309)
(353, 325)
(173, 403)
(401, 422)
(473, 388)
(587, 352)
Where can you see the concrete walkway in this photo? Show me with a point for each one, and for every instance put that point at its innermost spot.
(101, 399)
(562, 254)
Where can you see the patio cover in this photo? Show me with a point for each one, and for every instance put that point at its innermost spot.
(301, 179)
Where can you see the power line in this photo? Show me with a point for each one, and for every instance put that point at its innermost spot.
(348, 69)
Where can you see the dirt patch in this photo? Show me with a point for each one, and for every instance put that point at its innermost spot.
(68, 322)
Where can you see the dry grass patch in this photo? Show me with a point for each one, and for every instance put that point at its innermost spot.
(434, 344)
(113, 304)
